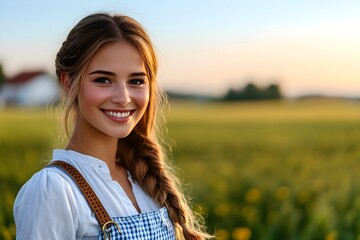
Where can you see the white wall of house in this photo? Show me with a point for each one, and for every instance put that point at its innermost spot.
(41, 90)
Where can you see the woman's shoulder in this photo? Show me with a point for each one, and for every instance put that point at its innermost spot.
(48, 182)
(47, 178)
(54, 179)
(47, 198)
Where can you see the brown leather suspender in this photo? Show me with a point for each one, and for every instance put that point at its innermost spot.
(101, 214)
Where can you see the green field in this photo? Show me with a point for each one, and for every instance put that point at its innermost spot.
(282, 170)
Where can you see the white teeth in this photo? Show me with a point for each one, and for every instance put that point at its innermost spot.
(118, 114)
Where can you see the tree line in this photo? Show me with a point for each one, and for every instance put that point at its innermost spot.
(252, 92)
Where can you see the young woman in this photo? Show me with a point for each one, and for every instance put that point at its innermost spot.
(107, 69)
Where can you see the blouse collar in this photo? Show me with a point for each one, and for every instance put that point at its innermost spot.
(83, 160)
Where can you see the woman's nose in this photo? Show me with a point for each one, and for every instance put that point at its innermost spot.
(121, 94)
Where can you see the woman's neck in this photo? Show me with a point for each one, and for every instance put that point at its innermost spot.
(95, 144)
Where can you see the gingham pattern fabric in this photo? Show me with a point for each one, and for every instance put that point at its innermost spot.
(145, 226)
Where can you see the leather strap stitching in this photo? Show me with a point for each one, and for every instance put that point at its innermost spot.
(95, 204)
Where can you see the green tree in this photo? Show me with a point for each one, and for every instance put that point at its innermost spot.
(2, 76)
(251, 92)
(272, 92)
(231, 95)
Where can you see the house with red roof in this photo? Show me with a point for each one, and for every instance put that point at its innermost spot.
(30, 88)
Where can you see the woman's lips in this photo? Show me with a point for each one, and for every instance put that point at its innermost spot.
(118, 115)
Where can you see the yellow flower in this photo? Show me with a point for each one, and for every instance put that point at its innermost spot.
(303, 197)
(332, 236)
(253, 195)
(241, 233)
(222, 234)
(282, 193)
(222, 209)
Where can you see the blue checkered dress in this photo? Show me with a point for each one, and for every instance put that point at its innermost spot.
(153, 225)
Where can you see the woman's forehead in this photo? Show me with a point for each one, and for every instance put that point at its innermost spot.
(116, 56)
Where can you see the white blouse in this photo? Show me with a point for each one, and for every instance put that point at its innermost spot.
(50, 205)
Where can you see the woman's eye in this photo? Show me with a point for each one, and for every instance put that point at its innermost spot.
(137, 81)
(102, 80)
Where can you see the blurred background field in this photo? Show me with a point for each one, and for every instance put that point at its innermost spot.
(275, 170)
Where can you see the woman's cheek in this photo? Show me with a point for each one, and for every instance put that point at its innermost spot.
(97, 95)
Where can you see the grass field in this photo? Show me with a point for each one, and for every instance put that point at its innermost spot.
(284, 170)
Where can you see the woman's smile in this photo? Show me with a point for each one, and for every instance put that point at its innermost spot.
(118, 115)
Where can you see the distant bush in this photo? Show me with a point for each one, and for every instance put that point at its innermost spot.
(2, 76)
(253, 92)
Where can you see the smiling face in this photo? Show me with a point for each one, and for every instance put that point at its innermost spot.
(113, 91)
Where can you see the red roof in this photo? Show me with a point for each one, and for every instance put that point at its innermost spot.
(23, 77)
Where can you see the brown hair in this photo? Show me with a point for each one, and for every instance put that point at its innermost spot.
(140, 152)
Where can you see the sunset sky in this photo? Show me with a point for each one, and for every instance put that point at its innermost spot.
(307, 47)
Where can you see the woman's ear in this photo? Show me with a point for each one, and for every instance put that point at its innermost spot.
(65, 81)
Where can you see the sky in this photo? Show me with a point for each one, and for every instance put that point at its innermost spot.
(207, 47)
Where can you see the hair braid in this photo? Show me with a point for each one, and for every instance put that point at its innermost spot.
(148, 168)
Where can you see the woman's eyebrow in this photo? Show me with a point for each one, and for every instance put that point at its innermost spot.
(134, 74)
(138, 74)
(103, 72)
